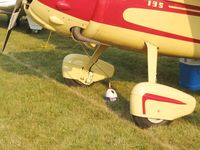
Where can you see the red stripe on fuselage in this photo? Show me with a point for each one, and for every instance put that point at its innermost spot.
(114, 16)
(152, 97)
(82, 9)
(181, 5)
(111, 12)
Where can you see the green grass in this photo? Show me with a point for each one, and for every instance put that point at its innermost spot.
(37, 111)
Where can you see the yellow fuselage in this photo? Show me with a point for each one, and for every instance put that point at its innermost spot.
(172, 26)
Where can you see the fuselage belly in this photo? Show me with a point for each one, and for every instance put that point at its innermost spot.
(173, 25)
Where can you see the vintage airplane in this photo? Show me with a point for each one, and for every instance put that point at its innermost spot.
(7, 6)
(166, 27)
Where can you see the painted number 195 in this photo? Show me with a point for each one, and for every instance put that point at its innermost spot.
(155, 4)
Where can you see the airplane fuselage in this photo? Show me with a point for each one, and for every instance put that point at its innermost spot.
(171, 25)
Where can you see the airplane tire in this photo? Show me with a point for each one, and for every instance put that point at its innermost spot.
(74, 83)
(18, 22)
(28, 31)
(35, 31)
(146, 122)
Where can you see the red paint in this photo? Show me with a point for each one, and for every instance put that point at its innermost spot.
(152, 97)
(63, 5)
(111, 12)
(82, 9)
(115, 11)
(186, 6)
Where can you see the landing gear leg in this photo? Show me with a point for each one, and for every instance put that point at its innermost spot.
(152, 56)
(99, 50)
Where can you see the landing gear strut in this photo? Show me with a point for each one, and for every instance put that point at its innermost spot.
(155, 104)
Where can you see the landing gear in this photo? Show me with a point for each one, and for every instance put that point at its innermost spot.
(73, 83)
(33, 27)
(85, 70)
(147, 122)
(17, 22)
(156, 104)
(30, 31)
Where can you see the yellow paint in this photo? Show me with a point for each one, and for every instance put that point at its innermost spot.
(52, 19)
(73, 65)
(125, 38)
(160, 110)
(186, 9)
(164, 21)
(112, 35)
(135, 40)
(188, 2)
(152, 56)
(56, 20)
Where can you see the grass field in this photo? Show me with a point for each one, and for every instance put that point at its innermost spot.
(38, 111)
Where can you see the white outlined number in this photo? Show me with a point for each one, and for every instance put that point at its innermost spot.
(155, 4)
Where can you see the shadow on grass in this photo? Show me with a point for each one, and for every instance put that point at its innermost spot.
(60, 42)
(121, 107)
(47, 63)
(50, 64)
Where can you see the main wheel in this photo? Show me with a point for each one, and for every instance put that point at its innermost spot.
(28, 31)
(71, 82)
(35, 31)
(75, 83)
(147, 122)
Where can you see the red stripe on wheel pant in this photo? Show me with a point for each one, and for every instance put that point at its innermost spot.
(152, 97)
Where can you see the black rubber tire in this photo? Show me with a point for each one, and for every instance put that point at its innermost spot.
(74, 83)
(35, 31)
(146, 123)
(28, 31)
(18, 22)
